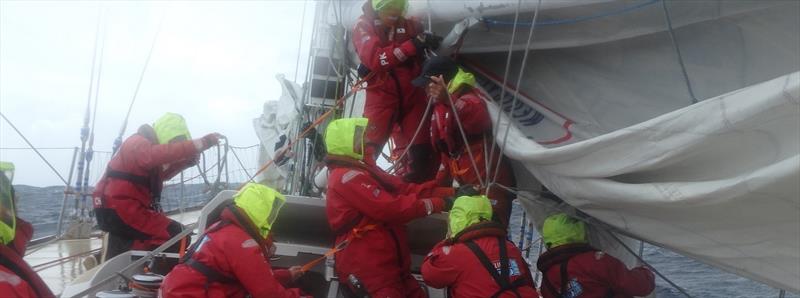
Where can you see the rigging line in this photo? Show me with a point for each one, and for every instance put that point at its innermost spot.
(678, 51)
(300, 40)
(316, 122)
(40, 148)
(425, 115)
(514, 99)
(99, 76)
(430, 23)
(505, 77)
(118, 141)
(648, 265)
(86, 117)
(241, 164)
(465, 140)
(34, 149)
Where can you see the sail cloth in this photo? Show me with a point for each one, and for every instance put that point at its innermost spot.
(717, 181)
(274, 129)
(611, 129)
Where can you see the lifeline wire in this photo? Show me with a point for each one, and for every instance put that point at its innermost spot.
(34, 149)
(505, 75)
(514, 98)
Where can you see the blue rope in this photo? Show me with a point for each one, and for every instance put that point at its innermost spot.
(556, 22)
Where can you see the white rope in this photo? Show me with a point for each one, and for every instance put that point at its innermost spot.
(425, 116)
(514, 98)
(505, 76)
(466, 142)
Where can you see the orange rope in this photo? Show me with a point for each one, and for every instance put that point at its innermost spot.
(357, 233)
(182, 249)
(356, 87)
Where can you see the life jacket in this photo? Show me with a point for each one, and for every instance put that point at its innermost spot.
(213, 275)
(492, 229)
(14, 262)
(152, 181)
(560, 257)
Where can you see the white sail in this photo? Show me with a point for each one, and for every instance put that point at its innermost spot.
(606, 118)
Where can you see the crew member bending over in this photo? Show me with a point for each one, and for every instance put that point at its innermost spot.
(231, 259)
(572, 268)
(367, 209)
(476, 260)
(126, 200)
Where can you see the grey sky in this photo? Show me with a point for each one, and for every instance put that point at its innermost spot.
(214, 62)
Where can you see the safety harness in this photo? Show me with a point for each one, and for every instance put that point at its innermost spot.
(561, 258)
(213, 275)
(502, 278)
(151, 182)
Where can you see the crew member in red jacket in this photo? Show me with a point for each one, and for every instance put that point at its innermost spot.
(392, 47)
(368, 210)
(477, 260)
(126, 200)
(231, 259)
(17, 278)
(445, 81)
(572, 268)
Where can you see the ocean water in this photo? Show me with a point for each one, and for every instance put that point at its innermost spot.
(41, 207)
(697, 279)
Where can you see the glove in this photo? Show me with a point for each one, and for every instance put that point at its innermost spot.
(448, 203)
(467, 190)
(210, 140)
(426, 40)
(363, 71)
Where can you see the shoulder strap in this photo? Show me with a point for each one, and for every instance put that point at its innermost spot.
(564, 276)
(502, 278)
(211, 274)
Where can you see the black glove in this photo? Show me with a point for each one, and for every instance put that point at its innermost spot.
(427, 40)
(363, 71)
(448, 203)
(467, 190)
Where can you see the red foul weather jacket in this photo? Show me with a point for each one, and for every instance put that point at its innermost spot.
(361, 196)
(477, 124)
(456, 263)
(124, 198)
(17, 278)
(591, 274)
(391, 98)
(228, 250)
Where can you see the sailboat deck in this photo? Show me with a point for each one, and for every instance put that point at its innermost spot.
(59, 262)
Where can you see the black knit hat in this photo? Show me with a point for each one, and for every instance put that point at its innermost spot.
(439, 65)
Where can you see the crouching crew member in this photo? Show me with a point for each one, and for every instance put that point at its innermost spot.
(477, 260)
(368, 210)
(231, 259)
(126, 200)
(444, 80)
(572, 268)
(17, 278)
